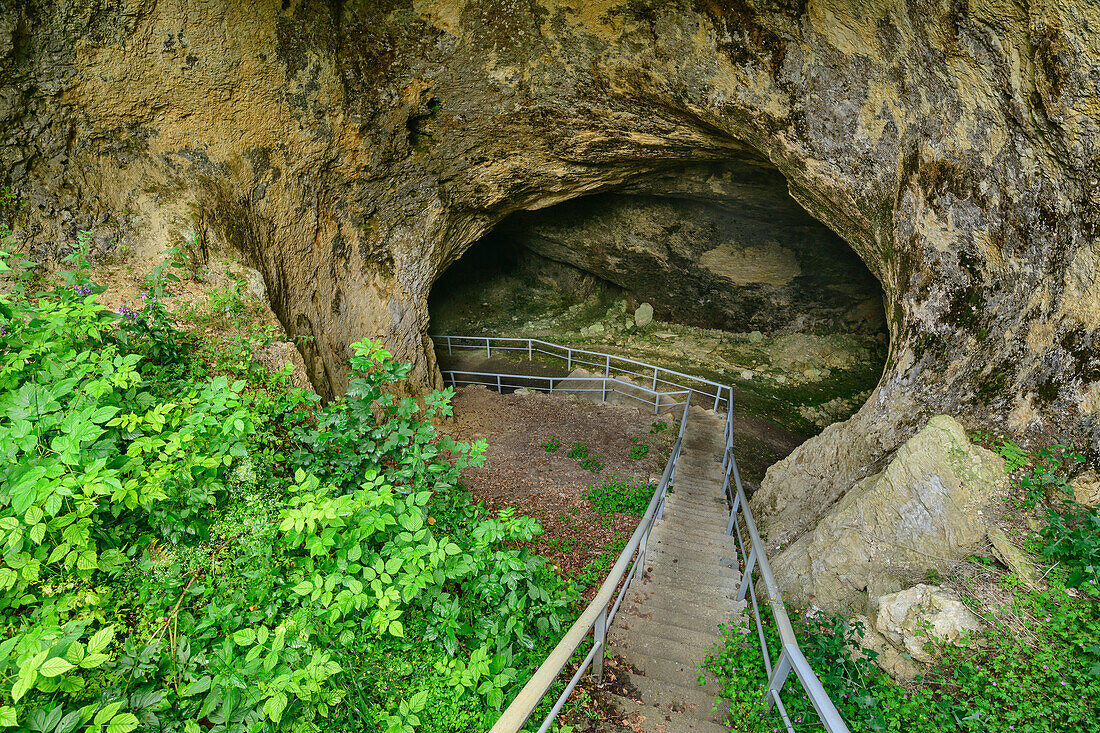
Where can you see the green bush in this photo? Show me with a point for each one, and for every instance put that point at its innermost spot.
(577, 450)
(621, 495)
(1041, 681)
(186, 553)
(639, 451)
(552, 445)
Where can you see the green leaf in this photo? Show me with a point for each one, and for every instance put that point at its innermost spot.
(418, 701)
(86, 560)
(123, 723)
(397, 629)
(101, 639)
(107, 713)
(33, 515)
(54, 667)
(199, 686)
(244, 637)
(275, 706)
(22, 685)
(304, 588)
(7, 716)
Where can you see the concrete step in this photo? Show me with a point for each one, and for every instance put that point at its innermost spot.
(649, 718)
(690, 591)
(683, 532)
(713, 515)
(706, 581)
(648, 659)
(663, 560)
(671, 697)
(703, 612)
(680, 630)
(710, 620)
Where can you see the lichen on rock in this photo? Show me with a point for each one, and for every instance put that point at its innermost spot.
(923, 510)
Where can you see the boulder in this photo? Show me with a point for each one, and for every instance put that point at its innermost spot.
(1086, 488)
(911, 618)
(895, 663)
(643, 316)
(1012, 556)
(922, 511)
(276, 355)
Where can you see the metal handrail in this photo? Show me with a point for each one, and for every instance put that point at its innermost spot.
(595, 618)
(791, 656)
(722, 394)
(493, 379)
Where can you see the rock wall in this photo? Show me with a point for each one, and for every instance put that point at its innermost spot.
(354, 150)
(756, 264)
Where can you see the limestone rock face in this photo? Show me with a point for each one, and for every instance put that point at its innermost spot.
(755, 261)
(922, 511)
(913, 617)
(1086, 488)
(352, 151)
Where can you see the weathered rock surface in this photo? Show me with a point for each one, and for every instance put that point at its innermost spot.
(1086, 488)
(911, 618)
(889, 658)
(755, 261)
(1012, 556)
(354, 150)
(924, 510)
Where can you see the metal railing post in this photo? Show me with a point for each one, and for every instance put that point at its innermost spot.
(568, 360)
(780, 671)
(500, 389)
(746, 577)
(449, 346)
(529, 357)
(488, 355)
(599, 635)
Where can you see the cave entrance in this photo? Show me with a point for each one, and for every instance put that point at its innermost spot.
(746, 289)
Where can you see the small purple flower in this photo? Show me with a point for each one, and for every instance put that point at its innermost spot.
(145, 296)
(82, 290)
(130, 314)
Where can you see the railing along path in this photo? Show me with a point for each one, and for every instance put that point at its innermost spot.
(597, 616)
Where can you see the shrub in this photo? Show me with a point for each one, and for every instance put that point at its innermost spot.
(552, 445)
(577, 450)
(621, 495)
(201, 549)
(639, 451)
(658, 426)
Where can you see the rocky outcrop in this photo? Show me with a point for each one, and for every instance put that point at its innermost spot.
(924, 614)
(911, 625)
(354, 150)
(924, 510)
(755, 261)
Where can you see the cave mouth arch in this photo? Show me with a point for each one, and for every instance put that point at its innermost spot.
(746, 287)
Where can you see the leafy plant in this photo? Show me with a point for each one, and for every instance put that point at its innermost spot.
(577, 450)
(621, 495)
(552, 445)
(592, 463)
(639, 451)
(1072, 538)
(178, 548)
(658, 426)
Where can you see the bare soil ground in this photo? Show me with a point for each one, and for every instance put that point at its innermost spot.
(520, 473)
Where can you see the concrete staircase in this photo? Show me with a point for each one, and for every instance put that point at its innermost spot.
(671, 616)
